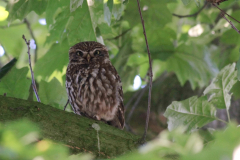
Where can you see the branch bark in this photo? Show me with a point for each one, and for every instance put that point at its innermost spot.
(73, 130)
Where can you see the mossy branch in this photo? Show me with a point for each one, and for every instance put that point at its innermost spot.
(74, 131)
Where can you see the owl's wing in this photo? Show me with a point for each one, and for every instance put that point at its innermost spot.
(120, 112)
(119, 120)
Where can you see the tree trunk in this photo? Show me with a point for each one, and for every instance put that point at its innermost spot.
(73, 130)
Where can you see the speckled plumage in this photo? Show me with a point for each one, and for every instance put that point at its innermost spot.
(93, 85)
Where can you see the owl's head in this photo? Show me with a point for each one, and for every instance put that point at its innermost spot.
(88, 52)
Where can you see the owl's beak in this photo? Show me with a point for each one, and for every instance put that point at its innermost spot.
(88, 57)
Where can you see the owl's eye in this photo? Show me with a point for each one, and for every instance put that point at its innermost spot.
(79, 53)
(97, 52)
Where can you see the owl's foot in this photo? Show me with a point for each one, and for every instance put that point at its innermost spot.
(97, 117)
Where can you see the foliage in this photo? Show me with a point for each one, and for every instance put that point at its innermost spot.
(177, 145)
(194, 48)
(21, 140)
(195, 112)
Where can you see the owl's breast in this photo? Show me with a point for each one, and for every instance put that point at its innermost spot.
(96, 92)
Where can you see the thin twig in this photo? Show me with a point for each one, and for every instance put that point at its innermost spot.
(123, 33)
(225, 12)
(150, 76)
(12, 25)
(32, 74)
(231, 24)
(66, 105)
(131, 99)
(223, 15)
(136, 103)
(33, 37)
(191, 15)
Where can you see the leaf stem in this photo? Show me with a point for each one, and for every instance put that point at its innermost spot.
(229, 120)
(222, 120)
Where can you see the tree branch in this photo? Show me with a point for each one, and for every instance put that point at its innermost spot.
(73, 130)
(123, 33)
(191, 15)
(150, 75)
(32, 74)
(136, 103)
(231, 23)
(223, 12)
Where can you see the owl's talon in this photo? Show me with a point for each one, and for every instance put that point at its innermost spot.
(97, 117)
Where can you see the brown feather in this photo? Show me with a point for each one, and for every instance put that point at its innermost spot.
(93, 84)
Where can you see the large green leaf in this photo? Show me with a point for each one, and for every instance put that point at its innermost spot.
(220, 87)
(75, 24)
(189, 67)
(53, 93)
(20, 9)
(155, 13)
(15, 83)
(192, 113)
(54, 59)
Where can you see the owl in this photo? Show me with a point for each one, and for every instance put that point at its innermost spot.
(93, 85)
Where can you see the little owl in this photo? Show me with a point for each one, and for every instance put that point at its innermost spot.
(93, 85)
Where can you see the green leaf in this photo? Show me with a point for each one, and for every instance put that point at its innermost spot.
(189, 67)
(55, 59)
(186, 2)
(4, 70)
(117, 9)
(15, 83)
(197, 2)
(230, 37)
(220, 86)
(223, 146)
(21, 9)
(107, 12)
(76, 26)
(53, 93)
(167, 146)
(155, 13)
(192, 113)
(18, 141)
(110, 5)
(74, 4)
(51, 9)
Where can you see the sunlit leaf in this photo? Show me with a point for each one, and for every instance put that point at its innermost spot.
(53, 93)
(76, 26)
(192, 113)
(54, 59)
(220, 86)
(20, 9)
